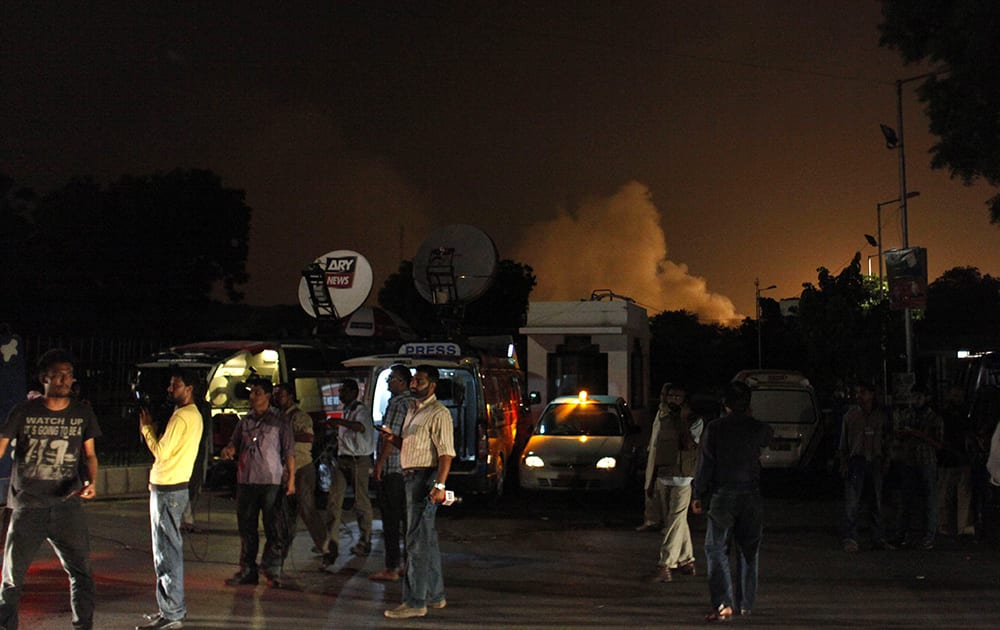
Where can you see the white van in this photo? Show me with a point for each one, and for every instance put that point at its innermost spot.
(787, 402)
(483, 391)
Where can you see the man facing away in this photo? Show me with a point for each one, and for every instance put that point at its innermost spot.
(54, 436)
(389, 473)
(920, 433)
(727, 483)
(174, 454)
(675, 455)
(265, 448)
(355, 447)
(426, 450)
(863, 451)
(301, 424)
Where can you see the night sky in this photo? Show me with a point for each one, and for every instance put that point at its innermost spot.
(669, 151)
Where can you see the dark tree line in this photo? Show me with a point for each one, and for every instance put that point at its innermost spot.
(142, 254)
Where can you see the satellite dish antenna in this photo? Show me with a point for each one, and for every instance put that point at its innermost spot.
(454, 266)
(335, 284)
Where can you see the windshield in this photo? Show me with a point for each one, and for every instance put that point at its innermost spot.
(580, 419)
(782, 406)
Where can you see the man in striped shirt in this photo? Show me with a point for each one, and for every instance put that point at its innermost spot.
(389, 473)
(426, 450)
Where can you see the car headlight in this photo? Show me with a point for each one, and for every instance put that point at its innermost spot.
(533, 461)
(606, 463)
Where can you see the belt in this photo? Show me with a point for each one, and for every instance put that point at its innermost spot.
(410, 472)
(354, 456)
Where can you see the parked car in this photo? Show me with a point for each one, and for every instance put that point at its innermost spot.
(582, 443)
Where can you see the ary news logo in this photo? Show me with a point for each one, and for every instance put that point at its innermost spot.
(340, 272)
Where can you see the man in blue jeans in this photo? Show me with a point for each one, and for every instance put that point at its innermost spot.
(727, 482)
(426, 450)
(174, 453)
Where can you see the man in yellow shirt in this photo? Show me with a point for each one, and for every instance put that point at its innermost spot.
(174, 453)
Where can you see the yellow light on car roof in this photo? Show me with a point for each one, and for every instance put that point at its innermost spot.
(582, 397)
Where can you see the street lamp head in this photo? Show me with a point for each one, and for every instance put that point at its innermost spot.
(871, 240)
(891, 139)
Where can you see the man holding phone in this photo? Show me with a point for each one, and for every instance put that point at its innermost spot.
(174, 454)
(426, 450)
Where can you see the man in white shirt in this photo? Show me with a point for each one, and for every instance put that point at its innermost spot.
(355, 447)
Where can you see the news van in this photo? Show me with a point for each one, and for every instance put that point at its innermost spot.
(787, 402)
(226, 365)
(481, 384)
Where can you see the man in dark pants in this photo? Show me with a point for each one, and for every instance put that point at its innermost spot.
(727, 482)
(264, 444)
(389, 473)
(55, 438)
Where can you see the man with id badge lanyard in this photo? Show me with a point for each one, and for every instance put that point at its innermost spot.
(864, 439)
(265, 447)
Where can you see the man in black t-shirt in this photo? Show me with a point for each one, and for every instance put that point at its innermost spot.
(53, 435)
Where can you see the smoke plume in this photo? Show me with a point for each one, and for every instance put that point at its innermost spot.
(617, 243)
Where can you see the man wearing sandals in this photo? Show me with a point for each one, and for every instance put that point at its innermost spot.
(727, 484)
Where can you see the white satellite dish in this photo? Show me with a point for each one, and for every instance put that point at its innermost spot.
(455, 265)
(335, 285)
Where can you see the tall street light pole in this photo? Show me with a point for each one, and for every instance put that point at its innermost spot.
(894, 140)
(760, 346)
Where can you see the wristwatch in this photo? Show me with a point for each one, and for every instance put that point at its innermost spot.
(439, 486)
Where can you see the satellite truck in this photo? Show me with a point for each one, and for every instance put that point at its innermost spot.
(481, 380)
(311, 365)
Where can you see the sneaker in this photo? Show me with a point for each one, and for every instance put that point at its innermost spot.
(159, 622)
(405, 611)
(362, 549)
(648, 527)
(439, 604)
(927, 544)
(328, 560)
(687, 569)
(242, 579)
(385, 575)
(274, 581)
(850, 545)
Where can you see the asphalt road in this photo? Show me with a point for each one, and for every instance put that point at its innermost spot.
(539, 561)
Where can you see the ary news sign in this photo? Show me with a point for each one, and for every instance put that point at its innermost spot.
(906, 270)
(340, 271)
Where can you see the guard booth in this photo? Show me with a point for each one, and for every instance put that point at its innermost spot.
(601, 346)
